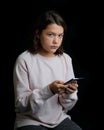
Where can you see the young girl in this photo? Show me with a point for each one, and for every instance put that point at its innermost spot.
(42, 100)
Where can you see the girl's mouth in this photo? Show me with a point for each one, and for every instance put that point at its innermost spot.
(54, 47)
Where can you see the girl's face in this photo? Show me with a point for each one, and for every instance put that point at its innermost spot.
(51, 39)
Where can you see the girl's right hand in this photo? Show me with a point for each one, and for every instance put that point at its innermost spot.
(57, 87)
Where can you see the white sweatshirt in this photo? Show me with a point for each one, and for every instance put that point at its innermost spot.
(35, 104)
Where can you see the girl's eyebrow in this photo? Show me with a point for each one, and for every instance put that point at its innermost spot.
(55, 33)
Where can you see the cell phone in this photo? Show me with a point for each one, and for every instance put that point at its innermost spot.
(73, 79)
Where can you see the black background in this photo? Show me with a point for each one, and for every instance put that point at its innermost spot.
(84, 43)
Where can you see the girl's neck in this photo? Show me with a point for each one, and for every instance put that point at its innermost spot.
(45, 54)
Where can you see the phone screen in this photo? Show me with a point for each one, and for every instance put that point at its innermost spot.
(73, 79)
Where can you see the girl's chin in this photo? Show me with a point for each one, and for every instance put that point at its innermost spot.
(53, 50)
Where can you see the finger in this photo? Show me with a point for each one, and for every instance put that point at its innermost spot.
(59, 81)
(69, 90)
(74, 84)
(61, 90)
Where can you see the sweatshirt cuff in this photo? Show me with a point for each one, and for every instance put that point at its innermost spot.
(70, 96)
(46, 92)
(73, 95)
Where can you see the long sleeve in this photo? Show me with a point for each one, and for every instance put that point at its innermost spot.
(68, 101)
(27, 99)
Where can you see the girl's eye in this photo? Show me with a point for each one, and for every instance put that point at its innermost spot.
(61, 36)
(50, 35)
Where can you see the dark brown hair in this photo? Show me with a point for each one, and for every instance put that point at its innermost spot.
(42, 22)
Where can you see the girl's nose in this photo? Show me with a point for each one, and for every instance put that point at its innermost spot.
(55, 41)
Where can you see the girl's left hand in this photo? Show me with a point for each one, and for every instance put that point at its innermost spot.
(71, 87)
